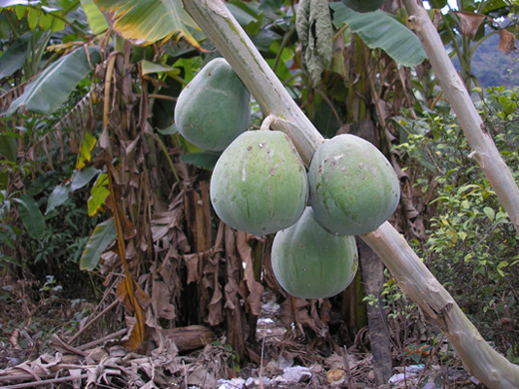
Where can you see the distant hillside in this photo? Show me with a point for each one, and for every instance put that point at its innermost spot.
(493, 67)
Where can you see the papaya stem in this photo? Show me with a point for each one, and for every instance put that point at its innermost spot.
(267, 122)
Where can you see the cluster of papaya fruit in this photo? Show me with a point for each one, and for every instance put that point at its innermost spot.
(260, 185)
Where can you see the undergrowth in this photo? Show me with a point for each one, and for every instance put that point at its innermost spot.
(470, 244)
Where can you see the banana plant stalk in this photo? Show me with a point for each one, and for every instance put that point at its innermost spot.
(407, 269)
(482, 144)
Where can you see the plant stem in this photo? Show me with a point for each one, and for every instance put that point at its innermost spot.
(162, 146)
(284, 42)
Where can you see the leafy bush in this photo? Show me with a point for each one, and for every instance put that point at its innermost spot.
(471, 243)
(32, 240)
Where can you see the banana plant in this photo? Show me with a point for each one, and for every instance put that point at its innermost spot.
(32, 24)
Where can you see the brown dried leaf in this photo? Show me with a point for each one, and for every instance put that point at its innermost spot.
(336, 362)
(320, 328)
(268, 274)
(109, 261)
(7, 98)
(129, 230)
(201, 377)
(295, 311)
(231, 290)
(140, 295)
(232, 268)
(161, 301)
(122, 294)
(136, 334)
(191, 261)
(215, 315)
(130, 148)
(255, 288)
(506, 42)
(198, 214)
(470, 23)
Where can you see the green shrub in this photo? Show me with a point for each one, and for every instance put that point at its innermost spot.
(471, 243)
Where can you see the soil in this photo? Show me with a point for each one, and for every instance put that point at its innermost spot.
(36, 343)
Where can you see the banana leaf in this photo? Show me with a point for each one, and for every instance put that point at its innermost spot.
(103, 235)
(52, 86)
(381, 30)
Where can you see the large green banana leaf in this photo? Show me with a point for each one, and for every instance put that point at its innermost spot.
(96, 19)
(101, 237)
(31, 215)
(13, 58)
(53, 86)
(150, 20)
(380, 30)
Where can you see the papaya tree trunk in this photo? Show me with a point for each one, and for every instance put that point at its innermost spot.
(407, 269)
(482, 144)
(373, 277)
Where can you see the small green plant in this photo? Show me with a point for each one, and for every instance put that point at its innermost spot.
(402, 314)
(416, 352)
(233, 358)
(512, 354)
(470, 242)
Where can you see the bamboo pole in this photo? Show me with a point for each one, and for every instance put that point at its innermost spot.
(407, 269)
(482, 144)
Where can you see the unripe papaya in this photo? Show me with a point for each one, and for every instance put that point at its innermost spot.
(214, 108)
(309, 262)
(364, 5)
(259, 184)
(353, 187)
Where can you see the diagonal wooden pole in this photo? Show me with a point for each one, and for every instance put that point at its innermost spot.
(407, 269)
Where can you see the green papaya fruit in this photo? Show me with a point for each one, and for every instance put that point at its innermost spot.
(353, 187)
(214, 108)
(364, 5)
(259, 184)
(309, 262)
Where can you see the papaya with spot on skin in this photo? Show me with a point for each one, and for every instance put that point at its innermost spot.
(353, 187)
(309, 262)
(364, 5)
(214, 108)
(259, 184)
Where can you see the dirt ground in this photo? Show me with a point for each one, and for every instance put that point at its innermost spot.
(39, 347)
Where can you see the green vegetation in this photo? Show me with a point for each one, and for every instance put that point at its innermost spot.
(468, 242)
(364, 5)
